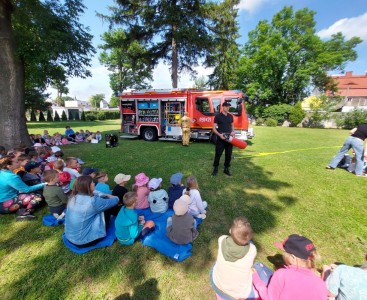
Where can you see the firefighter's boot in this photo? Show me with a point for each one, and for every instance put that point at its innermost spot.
(227, 172)
(215, 171)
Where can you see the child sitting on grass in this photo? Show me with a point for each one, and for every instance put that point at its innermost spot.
(141, 188)
(197, 207)
(64, 177)
(102, 186)
(120, 190)
(128, 225)
(54, 195)
(175, 190)
(181, 227)
(158, 197)
(231, 275)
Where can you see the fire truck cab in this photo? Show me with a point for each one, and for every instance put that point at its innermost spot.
(154, 114)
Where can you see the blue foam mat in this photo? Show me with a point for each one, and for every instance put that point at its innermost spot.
(107, 241)
(50, 220)
(158, 239)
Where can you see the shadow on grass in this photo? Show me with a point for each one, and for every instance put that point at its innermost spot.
(250, 192)
(147, 290)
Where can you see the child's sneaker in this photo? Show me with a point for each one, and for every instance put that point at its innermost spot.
(61, 216)
(55, 215)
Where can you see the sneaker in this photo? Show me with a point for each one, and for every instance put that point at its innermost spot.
(215, 171)
(329, 168)
(26, 217)
(227, 172)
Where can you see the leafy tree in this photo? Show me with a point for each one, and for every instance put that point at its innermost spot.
(41, 117)
(33, 116)
(95, 100)
(126, 61)
(61, 86)
(57, 117)
(297, 114)
(174, 31)
(49, 116)
(224, 54)
(200, 82)
(282, 58)
(40, 41)
(277, 112)
(63, 116)
(114, 101)
(83, 116)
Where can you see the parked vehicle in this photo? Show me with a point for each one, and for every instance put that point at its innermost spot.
(154, 114)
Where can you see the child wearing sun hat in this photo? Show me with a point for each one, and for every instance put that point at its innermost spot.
(158, 197)
(297, 279)
(120, 190)
(141, 188)
(176, 188)
(181, 227)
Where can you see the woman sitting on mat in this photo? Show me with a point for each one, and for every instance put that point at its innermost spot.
(85, 222)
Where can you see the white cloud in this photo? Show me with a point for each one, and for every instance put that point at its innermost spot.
(350, 27)
(251, 5)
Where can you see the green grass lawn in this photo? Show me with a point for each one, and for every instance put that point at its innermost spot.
(279, 183)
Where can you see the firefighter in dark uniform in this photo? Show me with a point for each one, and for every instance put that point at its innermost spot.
(223, 124)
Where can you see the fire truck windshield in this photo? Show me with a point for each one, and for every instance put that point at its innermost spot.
(236, 107)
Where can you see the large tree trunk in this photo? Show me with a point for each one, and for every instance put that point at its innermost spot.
(174, 58)
(13, 127)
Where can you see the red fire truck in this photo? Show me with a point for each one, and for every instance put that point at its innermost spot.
(154, 114)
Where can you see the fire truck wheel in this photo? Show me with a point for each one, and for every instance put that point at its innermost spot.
(150, 134)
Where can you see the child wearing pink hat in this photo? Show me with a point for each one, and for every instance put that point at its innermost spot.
(142, 191)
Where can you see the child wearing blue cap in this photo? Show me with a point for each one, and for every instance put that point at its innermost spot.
(175, 190)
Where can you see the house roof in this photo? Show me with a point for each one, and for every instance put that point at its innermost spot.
(351, 85)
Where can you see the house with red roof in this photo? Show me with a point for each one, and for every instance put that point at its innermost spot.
(353, 90)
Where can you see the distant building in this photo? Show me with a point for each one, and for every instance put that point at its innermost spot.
(353, 89)
(103, 104)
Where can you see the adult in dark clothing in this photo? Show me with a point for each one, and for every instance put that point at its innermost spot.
(355, 141)
(223, 124)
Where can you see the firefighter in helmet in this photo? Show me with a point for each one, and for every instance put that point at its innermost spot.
(184, 122)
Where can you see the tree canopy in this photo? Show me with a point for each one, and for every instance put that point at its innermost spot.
(95, 100)
(224, 53)
(127, 62)
(42, 41)
(282, 59)
(173, 31)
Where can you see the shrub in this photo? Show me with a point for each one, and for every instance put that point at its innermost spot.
(33, 116)
(279, 112)
(49, 116)
(83, 116)
(57, 117)
(101, 116)
(339, 121)
(91, 118)
(296, 115)
(63, 116)
(259, 121)
(271, 122)
(354, 118)
(41, 117)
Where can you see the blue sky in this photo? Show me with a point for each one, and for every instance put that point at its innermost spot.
(349, 17)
